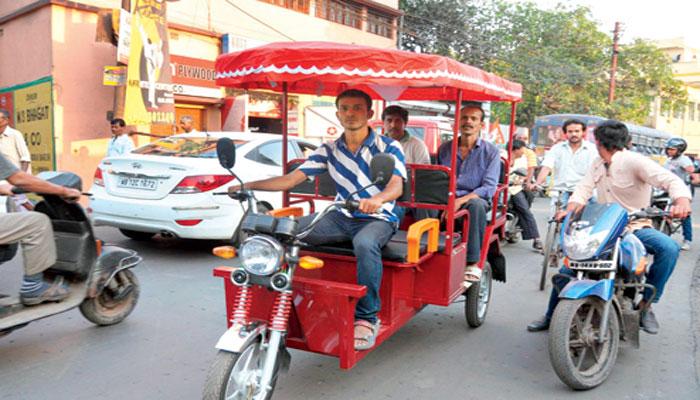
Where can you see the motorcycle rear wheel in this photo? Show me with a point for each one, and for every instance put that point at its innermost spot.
(109, 307)
(237, 375)
(576, 356)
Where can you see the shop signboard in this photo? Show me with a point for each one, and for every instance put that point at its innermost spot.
(124, 43)
(194, 77)
(31, 106)
(114, 75)
(149, 90)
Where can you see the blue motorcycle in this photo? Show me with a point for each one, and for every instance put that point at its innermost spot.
(599, 306)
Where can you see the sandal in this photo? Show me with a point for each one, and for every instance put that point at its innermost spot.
(472, 274)
(366, 341)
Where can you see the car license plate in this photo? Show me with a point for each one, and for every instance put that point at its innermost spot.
(137, 183)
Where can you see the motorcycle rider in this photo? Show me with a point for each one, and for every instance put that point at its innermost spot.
(626, 177)
(34, 233)
(570, 160)
(683, 166)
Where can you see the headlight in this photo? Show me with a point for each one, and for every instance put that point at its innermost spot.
(581, 244)
(261, 255)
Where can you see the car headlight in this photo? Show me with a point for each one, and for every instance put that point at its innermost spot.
(261, 255)
(582, 244)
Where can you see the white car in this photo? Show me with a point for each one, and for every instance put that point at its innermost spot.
(170, 186)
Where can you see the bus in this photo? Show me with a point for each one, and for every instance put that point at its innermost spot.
(547, 131)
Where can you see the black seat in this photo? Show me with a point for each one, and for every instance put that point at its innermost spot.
(395, 250)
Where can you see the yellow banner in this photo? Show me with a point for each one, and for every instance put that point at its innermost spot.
(149, 90)
(33, 116)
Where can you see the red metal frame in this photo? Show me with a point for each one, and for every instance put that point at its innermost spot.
(324, 299)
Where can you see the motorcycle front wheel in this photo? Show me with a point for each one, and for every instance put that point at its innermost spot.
(115, 303)
(237, 375)
(551, 252)
(576, 355)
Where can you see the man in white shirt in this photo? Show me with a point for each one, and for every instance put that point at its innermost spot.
(120, 143)
(570, 161)
(187, 124)
(14, 148)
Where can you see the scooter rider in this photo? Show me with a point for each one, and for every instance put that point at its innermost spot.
(683, 166)
(34, 232)
(626, 177)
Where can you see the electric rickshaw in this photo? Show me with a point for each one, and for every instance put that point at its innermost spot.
(306, 300)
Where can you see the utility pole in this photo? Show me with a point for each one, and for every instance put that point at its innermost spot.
(613, 67)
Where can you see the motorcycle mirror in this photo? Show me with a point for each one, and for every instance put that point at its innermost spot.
(381, 168)
(226, 152)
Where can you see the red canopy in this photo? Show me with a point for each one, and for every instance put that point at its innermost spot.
(324, 68)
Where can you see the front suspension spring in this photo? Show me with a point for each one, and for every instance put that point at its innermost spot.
(242, 304)
(280, 311)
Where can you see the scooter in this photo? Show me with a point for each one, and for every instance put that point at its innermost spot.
(100, 279)
(600, 305)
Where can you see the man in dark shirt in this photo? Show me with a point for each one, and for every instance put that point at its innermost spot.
(478, 167)
(33, 231)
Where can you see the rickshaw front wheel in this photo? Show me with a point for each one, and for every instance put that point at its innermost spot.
(237, 375)
(478, 298)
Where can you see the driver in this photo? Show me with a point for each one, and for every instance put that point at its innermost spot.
(34, 232)
(626, 177)
(347, 161)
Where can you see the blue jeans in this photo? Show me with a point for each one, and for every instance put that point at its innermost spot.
(368, 236)
(687, 229)
(665, 251)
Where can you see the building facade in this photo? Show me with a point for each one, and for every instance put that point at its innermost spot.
(53, 61)
(683, 121)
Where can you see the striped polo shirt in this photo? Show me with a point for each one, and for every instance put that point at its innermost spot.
(350, 171)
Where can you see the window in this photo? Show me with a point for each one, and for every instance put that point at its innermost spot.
(344, 13)
(179, 146)
(270, 153)
(296, 5)
(379, 24)
(691, 112)
(678, 112)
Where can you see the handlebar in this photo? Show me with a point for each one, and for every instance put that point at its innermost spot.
(649, 212)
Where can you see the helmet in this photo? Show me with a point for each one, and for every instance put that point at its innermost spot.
(677, 143)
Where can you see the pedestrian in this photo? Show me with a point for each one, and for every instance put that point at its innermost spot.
(187, 124)
(14, 148)
(121, 143)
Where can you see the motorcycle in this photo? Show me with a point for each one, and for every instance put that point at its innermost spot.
(513, 230)
(661, 200)
(100, 279)
(253, 353)
(600, 305)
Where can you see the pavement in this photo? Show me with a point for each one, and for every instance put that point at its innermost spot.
(164, 349)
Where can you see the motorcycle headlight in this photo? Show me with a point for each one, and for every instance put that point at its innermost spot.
(582, 245)
(261, 255)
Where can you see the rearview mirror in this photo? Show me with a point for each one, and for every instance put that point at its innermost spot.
(226, 152)
(381, 168)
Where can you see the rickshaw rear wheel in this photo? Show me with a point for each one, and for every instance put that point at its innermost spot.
(478, 298)
(237, 375)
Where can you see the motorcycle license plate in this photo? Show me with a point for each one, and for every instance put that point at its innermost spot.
(137, 183)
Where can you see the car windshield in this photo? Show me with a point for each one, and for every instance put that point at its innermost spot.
(196, 147)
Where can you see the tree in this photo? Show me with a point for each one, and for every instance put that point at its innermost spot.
(559, 56)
